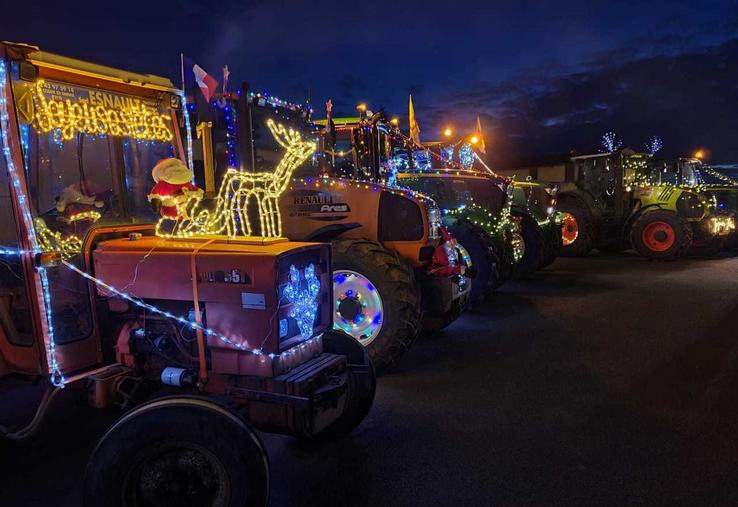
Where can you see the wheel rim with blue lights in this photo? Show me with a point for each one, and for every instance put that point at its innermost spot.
(358, 308)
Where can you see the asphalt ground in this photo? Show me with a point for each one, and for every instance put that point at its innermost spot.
(609, 380)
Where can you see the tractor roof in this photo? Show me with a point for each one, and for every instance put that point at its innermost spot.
(64, 63)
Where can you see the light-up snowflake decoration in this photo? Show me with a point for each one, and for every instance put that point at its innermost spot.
(304, 304)
(610, 142)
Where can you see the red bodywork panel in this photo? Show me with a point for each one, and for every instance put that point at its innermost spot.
(246, 307)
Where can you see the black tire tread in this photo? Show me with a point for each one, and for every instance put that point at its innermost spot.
(405, 296)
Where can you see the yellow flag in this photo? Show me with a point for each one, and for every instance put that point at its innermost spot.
(480, 135)
(414, 127)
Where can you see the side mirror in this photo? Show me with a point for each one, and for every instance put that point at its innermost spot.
(48, 259)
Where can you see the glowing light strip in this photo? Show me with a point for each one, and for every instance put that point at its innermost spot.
(188, 131)
(136, 120)
(56, 378)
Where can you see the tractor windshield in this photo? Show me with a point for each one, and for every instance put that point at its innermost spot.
(451, 193)
(267, 153)
(88, 155)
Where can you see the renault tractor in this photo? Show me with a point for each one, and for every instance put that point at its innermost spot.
(395, 274)
(607, 205)
(197, 339)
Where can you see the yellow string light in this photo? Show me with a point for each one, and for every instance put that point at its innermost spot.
(51, 241)
(133, 119)
(238, 188)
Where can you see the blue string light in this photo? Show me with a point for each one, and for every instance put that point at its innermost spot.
(55, 376)
(304, 305)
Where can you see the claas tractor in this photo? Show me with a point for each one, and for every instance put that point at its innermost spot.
(720, 189)
(395, 274)
(606, 205)
(197, 338)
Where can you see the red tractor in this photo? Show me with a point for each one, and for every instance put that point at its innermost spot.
(199, 339)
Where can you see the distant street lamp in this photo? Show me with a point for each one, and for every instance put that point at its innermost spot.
(448, 132)
(699, 154)
(474, 139)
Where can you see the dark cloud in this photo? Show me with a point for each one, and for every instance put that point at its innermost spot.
(687, 99)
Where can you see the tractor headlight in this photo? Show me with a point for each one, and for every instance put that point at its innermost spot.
(434, 223)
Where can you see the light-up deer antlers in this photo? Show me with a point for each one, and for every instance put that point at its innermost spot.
(304, 304)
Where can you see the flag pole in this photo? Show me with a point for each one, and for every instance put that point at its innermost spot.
(181, 68)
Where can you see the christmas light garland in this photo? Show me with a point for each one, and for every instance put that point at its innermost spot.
(55, 376)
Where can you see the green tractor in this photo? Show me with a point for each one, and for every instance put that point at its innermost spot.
(534, 203)
(607, 204)
(476, 208)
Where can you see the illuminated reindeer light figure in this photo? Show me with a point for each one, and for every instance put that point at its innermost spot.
(238, 189)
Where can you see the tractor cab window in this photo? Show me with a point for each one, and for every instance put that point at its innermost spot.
(597, 176)
(85, 170)
(15, 311)
(662, 173)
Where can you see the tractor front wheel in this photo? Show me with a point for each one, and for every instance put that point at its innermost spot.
(178, 452)
(577, 237)
(376, 299)
(661, 235)
(484, 259)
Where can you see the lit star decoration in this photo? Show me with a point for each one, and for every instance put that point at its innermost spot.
(304, 304)
(610, 142)
(56, 377)
(237, 190)
(133, 119)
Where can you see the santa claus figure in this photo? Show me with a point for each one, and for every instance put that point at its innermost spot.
(173, 187)
(446, 258)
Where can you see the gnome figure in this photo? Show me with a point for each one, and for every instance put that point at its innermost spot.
(173, 187)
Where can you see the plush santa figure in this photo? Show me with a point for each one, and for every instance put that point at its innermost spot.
(74, 203)
(446, 260)
(173, 187)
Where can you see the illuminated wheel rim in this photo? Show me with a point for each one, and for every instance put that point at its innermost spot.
(569, 229)
(358, 306)
(464, 254)
(518, 244)
(658, 236)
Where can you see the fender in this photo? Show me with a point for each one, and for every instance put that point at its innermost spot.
(330, 232)
(637, 213)
(581, 199)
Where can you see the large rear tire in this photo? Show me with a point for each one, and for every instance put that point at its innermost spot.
(533, 247)
(362, 382)
(178, 452)
(577, 230)
(376, 298)
(661, 235)
(484, 260)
